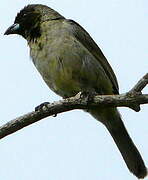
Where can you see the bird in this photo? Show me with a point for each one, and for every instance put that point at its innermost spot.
(70, 62)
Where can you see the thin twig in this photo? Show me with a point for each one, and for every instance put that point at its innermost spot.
(141, 84)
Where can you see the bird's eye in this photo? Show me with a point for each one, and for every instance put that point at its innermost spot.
(24, 15)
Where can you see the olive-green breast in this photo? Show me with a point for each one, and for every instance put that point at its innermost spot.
(66, 65)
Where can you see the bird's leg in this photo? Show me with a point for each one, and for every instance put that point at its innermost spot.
(88, 96)
(42, 106)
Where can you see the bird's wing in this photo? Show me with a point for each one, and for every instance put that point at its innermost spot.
(84, 38)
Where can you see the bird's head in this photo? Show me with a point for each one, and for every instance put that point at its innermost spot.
(28, 21)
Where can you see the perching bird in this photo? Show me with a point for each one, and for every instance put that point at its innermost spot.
(70, 61)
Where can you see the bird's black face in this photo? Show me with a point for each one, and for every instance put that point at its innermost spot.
(27, 23)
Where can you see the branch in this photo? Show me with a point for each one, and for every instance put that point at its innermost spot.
(132, 99)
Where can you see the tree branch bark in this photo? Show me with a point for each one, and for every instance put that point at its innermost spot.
(132, 99)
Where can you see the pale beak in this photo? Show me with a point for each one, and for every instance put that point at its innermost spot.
(12, 29)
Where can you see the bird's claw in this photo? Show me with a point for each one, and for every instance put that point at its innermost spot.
(42, 106)
(89, 96)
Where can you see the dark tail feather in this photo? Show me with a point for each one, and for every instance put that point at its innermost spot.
(112, 120)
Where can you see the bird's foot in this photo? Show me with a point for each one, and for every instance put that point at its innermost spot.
(42, 106)
(88, 96)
